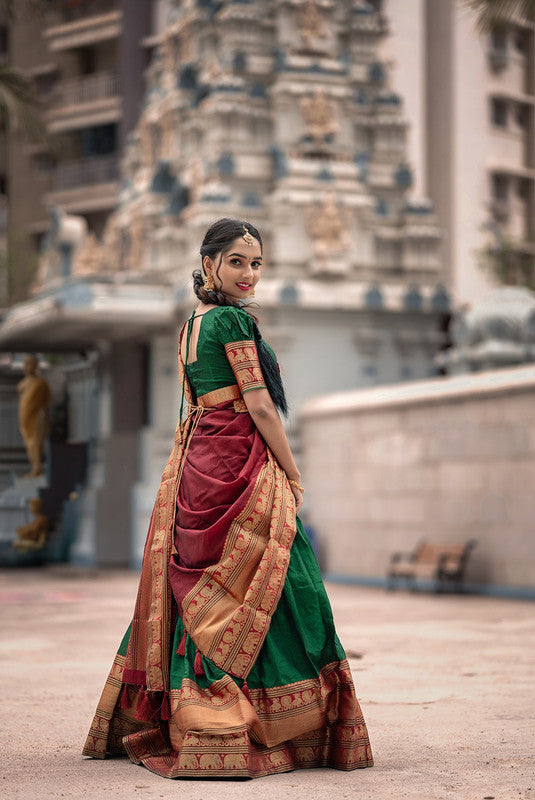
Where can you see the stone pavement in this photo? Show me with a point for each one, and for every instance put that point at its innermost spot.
(446, 686)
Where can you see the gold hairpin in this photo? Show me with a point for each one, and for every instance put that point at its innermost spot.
(247, 237)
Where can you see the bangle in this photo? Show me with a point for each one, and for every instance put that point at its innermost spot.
(297, 486)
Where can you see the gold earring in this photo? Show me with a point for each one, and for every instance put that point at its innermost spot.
(209, 283)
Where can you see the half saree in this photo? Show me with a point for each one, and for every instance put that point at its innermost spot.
(231, 666)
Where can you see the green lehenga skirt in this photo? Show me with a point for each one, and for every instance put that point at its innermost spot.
(250, 678)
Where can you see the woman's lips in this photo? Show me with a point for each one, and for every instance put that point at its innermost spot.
(244, 286)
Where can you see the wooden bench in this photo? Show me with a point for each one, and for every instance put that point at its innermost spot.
(445, 564)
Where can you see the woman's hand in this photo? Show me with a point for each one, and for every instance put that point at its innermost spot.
(298, 498)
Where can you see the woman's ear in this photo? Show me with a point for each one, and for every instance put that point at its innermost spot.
(207, 264)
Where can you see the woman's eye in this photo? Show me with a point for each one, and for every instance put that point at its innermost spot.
(235, 261)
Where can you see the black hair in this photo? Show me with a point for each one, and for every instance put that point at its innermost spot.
(218, 237)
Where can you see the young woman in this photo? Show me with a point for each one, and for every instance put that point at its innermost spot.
(231, 666)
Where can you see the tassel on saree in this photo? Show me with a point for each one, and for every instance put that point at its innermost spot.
(198, 665)
(144, 709)
(181, 650)
(124, 700)
(245, 690)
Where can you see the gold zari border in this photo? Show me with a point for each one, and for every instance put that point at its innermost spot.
(229, 610)
(222, 395)
(218, 732)
(243, 358)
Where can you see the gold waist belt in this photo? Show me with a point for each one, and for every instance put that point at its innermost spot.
(223, 395)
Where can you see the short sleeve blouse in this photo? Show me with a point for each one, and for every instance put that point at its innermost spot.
(226, 353)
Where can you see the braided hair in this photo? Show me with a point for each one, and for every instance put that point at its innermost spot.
(217, 239)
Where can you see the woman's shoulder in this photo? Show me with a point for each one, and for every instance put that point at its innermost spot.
(232, 322)
(231, 312)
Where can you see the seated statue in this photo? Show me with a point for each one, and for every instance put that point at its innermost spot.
(33, 413)
(32, 536)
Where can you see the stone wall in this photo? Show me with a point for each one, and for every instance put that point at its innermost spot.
(447, 460)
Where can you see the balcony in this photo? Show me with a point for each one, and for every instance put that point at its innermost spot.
(84, 102)
(76, 23)
(86, 184)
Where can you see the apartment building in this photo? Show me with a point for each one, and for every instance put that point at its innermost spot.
(470, 100)
(87, 60)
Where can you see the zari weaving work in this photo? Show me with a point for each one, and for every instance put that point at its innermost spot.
(231, 666)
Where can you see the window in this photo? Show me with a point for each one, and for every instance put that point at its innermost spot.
(498, 39)
(523, 188)
(522, 115)
(498, 49)
(521, 41)
(99, 140)
(500, 186)
(499, 112)
(87, 60)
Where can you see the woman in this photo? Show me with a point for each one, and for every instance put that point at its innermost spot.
(231, 666)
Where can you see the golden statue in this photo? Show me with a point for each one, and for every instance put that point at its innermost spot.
(311, 23)
(34, 401)
(33, 535)
(327, 226)
(319, 113)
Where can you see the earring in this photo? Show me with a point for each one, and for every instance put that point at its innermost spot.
(209, 283)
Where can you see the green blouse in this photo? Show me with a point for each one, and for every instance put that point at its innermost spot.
(226, 352)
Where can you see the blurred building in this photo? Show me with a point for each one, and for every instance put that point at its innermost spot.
(86, 60)
(470, 99)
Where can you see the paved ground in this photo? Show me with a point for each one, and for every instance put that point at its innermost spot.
(446, 685)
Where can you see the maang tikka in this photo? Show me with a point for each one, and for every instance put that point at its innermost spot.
(247, 237)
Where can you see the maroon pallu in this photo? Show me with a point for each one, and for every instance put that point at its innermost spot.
(224, 458)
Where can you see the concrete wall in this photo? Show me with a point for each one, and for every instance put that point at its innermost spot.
(447, 460)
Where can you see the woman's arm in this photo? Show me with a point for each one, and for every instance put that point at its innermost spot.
(266, 418)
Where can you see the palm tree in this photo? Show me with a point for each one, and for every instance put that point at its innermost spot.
(495, 12)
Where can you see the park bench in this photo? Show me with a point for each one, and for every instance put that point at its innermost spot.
(444, 564)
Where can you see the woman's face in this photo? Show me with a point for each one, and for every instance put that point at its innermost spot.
(239, 270)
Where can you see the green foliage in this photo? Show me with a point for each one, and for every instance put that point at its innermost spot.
(493, 13)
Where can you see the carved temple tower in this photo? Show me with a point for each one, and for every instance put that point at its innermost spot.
(280, 112)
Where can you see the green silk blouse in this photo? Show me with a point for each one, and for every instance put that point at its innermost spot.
(215, 366)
